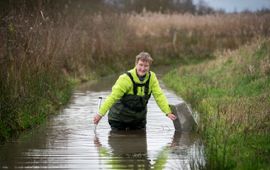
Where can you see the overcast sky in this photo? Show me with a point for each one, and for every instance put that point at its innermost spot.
(237, 5)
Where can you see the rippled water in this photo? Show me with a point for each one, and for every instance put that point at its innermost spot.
(68, 141)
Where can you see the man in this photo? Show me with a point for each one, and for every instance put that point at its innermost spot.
(127, 103)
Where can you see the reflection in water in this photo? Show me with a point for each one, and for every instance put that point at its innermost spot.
(128, 150)
(124, 143)
(67, 140)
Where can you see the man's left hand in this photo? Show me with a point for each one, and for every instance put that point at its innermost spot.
(171, 116)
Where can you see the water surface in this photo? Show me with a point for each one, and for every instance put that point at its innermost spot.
(67, 140)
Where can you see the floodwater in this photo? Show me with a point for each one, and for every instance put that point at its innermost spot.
(68, 141)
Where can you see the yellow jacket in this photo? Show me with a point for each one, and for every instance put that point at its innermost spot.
(124, 85)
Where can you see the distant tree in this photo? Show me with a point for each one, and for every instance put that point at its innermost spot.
(263, 11)
(153, 5)
(203, 8)
(63, 7)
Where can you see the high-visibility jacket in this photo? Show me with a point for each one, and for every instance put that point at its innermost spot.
(124, 86)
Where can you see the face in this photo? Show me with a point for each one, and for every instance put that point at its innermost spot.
(142, 67)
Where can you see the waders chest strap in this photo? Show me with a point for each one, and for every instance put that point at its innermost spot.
(136, 85)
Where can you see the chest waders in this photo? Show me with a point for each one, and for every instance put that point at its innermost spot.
(131, 109)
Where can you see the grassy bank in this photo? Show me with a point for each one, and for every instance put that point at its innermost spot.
(41, 94)
(232, 95)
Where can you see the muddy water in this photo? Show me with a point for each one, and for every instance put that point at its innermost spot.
(67, 140)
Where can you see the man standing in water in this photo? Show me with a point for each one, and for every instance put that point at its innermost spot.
(127, 103)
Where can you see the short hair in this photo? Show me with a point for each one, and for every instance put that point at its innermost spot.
(144, 56)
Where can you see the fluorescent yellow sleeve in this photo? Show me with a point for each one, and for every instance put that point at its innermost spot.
(159, 95)
(122, 85)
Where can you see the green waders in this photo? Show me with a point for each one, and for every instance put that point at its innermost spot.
(130, 111)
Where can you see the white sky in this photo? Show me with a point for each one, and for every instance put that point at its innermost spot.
(237, 5)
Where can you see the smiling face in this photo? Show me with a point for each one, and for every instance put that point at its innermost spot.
(142, 67)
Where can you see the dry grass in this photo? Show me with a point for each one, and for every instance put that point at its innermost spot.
(157, 24)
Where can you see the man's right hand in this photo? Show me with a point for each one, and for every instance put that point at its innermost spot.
(97, 118)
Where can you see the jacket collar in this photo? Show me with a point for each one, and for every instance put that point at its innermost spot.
(135, 76)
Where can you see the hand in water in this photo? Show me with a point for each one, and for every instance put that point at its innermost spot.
(96, 119)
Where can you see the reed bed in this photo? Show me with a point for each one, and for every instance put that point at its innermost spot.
(157, 24)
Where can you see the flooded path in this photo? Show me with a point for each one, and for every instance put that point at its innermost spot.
(67, 140)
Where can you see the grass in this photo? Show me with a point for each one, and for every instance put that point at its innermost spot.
(40, 94)
(232, 94)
